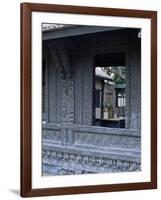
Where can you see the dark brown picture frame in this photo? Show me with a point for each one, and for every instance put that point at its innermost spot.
(26, 103)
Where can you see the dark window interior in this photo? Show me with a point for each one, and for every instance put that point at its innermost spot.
(111, 59)
(98, 98)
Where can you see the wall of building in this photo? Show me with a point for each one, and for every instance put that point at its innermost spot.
(70, 100)
(81, 62)
(135, 83)
(109, 97)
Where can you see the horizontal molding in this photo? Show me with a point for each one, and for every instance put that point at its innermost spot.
(75, 31)
(93, 129)
(113, 153)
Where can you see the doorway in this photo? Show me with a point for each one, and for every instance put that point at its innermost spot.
(110, 90)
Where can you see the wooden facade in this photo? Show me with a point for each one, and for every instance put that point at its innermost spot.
(72, 144)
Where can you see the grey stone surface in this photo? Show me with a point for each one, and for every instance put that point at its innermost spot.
(71, 144)
(106, 141)
(93, 136)
(86, 143)
(76, 162)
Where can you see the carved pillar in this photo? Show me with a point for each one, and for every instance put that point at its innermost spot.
(65, 81)
(135, 84)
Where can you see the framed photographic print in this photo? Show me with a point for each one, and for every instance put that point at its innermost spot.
(88, 99)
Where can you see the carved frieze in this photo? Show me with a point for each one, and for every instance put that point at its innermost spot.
(86, 163)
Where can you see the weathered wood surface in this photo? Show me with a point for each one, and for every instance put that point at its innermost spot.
(70, 143)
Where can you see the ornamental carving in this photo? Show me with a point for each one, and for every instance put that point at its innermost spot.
(94, 161)
(64, 68)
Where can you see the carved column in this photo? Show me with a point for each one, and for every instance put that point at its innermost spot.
(65, 81)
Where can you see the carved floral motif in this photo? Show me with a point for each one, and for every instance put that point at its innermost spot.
(121, 165)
